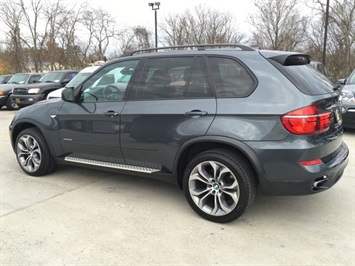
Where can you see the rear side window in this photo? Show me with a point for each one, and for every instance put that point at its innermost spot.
(231, 79)
(306, 79)
(172, 78)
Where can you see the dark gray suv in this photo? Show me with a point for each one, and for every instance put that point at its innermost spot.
(221, 122)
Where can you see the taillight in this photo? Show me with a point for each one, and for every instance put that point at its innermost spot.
(306, 120)
(310, 163)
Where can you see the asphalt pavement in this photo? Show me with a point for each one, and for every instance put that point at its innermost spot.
(79, 216)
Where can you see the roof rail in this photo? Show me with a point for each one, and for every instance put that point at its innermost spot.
(199, 47)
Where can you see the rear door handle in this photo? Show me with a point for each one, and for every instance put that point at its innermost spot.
(196, 113)
(110, 114)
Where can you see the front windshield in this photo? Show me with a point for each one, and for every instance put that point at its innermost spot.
(18, 79)
(80, 77)
(351, 79)
(51, 77)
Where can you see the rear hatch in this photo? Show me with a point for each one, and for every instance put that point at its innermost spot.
(323, 115)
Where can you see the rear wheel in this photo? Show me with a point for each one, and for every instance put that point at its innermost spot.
(33, 154)
(219, 185)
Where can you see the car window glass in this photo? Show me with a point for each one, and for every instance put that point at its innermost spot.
(172, 78)
(110, 83)
(231, 79)
(77, 79)
(52, 77)
(70, 76)
(308, 80)
(18, 79)
(34, 79)
(351, 79)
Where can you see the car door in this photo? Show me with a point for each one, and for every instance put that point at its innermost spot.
(172, 103)
(89, 128)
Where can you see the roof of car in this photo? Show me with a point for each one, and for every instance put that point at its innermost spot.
(189, 49)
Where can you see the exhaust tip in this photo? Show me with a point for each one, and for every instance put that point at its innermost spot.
(319, 182)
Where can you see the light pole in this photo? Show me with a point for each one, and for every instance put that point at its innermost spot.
(155, 7)
(325, 31)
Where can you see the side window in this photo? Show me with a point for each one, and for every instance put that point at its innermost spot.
(172, 78)
(231, 79)
(34, 79)
(70, 76)
(109, 84)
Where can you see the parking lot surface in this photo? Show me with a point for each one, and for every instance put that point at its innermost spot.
(80, 216)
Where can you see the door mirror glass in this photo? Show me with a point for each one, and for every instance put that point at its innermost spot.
(68, 95)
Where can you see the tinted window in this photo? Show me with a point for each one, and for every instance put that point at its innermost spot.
(307, 79)
(70, 76)
(34, 79)
(110, 83)
(172, 78)
(231, 79)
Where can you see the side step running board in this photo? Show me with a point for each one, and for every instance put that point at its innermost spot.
(111, 165)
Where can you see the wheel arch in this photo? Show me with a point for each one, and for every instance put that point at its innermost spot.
(201, 144)
(19, 127)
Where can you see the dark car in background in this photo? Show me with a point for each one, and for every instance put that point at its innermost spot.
(25, 95)
(348, 100)
(16, 80)
(221, 122)
(4, 78)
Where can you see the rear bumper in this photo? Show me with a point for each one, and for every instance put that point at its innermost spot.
(26, 100)
(285, 178)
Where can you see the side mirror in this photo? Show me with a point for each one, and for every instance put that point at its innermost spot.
(68, 94)
(341, 81)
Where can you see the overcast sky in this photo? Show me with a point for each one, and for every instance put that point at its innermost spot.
(138, 12)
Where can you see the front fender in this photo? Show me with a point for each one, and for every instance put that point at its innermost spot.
(42, 116)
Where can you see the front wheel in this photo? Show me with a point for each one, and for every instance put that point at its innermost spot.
(10, 104)
(219, 185)
(33, 154)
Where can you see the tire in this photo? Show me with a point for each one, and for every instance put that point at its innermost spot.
(219, 185)
(10, 104)
(33, 154)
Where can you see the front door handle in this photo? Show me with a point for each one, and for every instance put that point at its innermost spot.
(110, 114)
(195, 113)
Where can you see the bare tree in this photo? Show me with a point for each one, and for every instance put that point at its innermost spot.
(53, 14)
(203, 25)
(36, 41)
(11, 16)
(101, 29)
(68, 25)
(278, 25)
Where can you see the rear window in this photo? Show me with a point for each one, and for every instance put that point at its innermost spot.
(306, 79)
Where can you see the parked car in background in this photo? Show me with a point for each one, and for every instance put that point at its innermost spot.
(4, 78)
(29, 94)
(319, 66)
(197, 115)
(15, 80)
(80, 77)
(348, 100)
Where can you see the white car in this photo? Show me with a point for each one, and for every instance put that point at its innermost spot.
(81, 76)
